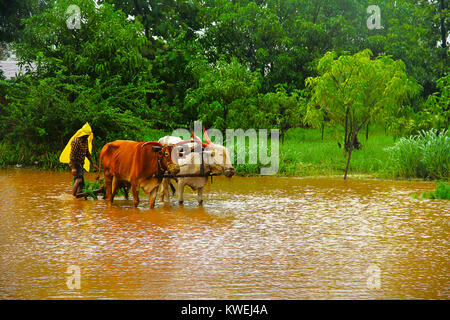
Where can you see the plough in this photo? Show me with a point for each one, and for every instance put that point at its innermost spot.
(102, 190)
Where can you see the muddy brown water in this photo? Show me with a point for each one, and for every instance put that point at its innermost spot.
(254, 238)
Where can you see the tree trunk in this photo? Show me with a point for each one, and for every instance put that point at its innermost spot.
(443, 32)
(346, 128)
(225, 112)
(350, 153)
(367, 131)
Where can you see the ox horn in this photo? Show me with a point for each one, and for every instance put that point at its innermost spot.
(208, 140)
(183, 142)
(155, 144)
(197, 139)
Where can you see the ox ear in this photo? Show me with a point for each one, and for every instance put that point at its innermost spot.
(156, 148)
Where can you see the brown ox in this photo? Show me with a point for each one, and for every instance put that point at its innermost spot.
(136, 164)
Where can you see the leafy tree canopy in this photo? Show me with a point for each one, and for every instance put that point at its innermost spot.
(355, 89)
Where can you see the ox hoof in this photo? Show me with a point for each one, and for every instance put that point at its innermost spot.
(200, 203)
(180, 203)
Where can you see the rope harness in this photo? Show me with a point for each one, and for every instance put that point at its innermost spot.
(162, 173)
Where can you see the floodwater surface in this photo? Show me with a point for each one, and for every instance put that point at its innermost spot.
(254, 238)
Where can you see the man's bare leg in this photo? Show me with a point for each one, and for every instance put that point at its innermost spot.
(77, 187)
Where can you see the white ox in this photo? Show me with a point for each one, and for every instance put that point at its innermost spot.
(216, 160)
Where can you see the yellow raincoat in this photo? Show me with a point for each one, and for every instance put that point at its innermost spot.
(85, 130)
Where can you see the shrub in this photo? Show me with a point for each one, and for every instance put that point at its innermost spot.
(442, 191)
(426, 155)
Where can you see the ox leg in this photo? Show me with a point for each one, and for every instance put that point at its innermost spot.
(135, 192)
(125, 190)
(164, 190)
(167, 189)
(108, 184)
(161, 190)
(180, 191)
(152, 197)
(115, 186)
(200, 196)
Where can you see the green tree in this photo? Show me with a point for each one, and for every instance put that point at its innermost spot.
(224, 94)
(437, 110)
(412, 31)
(354, 89)
(280, 109)
(12, 11)
(105, 45)
(95, 73)
(161, 19)
(170, 27)
(281, 39)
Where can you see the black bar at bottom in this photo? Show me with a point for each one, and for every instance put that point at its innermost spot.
(227, 309)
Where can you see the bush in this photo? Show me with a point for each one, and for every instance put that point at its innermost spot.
(426, 155)
(442, 191)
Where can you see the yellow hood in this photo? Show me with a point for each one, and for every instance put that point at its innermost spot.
(84, 131)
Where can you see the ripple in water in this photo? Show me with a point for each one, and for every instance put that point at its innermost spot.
(254, 238)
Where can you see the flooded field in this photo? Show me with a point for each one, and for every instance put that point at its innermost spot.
(254, 238)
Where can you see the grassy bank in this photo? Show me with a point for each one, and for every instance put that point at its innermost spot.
(303, 153)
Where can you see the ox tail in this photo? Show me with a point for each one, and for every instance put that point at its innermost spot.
(101, 184)
(99, 170)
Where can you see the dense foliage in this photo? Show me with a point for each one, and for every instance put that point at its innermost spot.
(134, 66)
(96, 74)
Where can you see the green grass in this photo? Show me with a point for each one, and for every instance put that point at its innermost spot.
(442, 191)
(426, 155)
(304, 153)
(89, 188)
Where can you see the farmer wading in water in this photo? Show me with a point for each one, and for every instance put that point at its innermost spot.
(77, 149)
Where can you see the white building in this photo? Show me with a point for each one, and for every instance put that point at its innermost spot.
(11, 69)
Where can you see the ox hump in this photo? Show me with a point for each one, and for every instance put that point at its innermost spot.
(169, 140)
